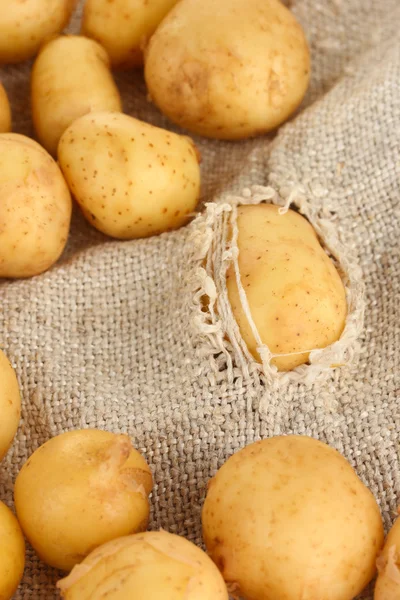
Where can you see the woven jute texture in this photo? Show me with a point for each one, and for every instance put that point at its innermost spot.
(111, 337)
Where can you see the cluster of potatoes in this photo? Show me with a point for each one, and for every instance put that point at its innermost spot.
(286, 517)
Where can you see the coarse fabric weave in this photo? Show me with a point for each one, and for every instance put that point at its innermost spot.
(113, 337)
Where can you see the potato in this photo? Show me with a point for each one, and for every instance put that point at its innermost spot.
(288, 518)
(58, 96)
(123, 27)
(12, 553)
(295, 295)
(230, 73)
(26, 24)
(10, 405)
(80, 490)
(130, 179)
(5, 111)
(388, 582)
(152, 565)
(35, 208)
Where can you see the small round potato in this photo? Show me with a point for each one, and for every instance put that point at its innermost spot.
(123, 27)
(10, 405)
(26, 24)
(130, 179)
(58, 96)
(295, 294)
(388, 582)
(5, 112)
(12, 553)
(152, 565)
(233, 72)
(80, 490)
(35, 208)
(288, 518)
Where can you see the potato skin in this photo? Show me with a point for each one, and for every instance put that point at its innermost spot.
(12, 553)
(288, 518)
(35, 208)
(10, 405)
(295, 294)
(26, 25)
(5, 111)
(156, 565)
(139, 180)
(388, 583)
(57, 91)
(123, 27)
(79, 490)
(233, 72)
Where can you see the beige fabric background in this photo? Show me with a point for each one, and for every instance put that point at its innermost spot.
(103, 339)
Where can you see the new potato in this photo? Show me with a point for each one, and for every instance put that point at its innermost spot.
(10, 404)
(5, 111)
(288, 518)
(12, 553)
(70, 77)
(35, 208)
(26, 24)
(130, 179)
(151, 566)
(388, 582)
(295, 294)
(123, 27)
(80, 490)
(229, 70)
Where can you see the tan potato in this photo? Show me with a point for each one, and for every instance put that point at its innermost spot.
(70, 78)
(153, 565)
(35, 208)
(388, 583)
(296, 297)
(80, 490)
(123, 27)
(233, 72)
(288, 518)
(10, 405)
(12, 553)
(26, 24)
(130, 179)
(5, 112)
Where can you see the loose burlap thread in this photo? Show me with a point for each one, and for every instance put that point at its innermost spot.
(111, 337)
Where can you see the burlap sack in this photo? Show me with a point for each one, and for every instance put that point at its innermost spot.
(112, 337)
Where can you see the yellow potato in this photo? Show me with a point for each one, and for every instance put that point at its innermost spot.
(152, 566)
(10, 405)
(295, 294)
(233, 72)
(35, 208)
(130, 179)
(288, 518)
(5, 111)
(12, 553)
(26, 24)
(70, 78)
(123, 27)
(388, 582)
(80, 490)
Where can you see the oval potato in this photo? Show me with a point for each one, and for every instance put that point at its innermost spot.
(123, 27)
(12, 553)
(10, 405)
(26, 25)
(287, 517)
(35, 208)
(5, 111)
(130, 179)
(230, 72)
(388, 583)
(70, 78)
(155, 565)
(295, 294)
